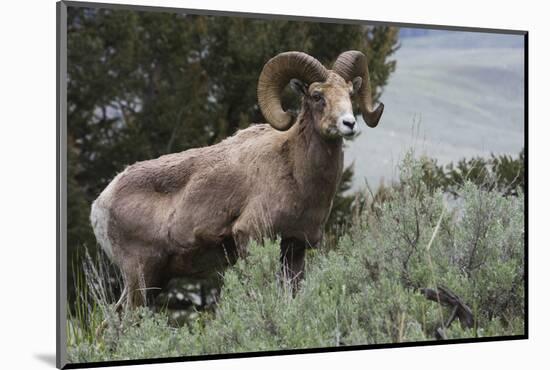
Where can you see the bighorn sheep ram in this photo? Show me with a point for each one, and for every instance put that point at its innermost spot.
(192, 213)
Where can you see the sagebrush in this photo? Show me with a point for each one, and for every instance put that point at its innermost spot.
(366, 290)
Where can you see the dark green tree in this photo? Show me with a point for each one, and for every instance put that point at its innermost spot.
(143, 84)
(498, 172)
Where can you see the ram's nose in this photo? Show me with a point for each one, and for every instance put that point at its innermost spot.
(349, 123)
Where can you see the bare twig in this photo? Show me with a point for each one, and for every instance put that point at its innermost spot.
(430, 264)
(445, 297)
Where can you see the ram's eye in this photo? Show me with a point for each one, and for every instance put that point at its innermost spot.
(317, 96)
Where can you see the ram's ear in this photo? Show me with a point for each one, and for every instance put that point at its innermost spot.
(298, 86)
(356, 82)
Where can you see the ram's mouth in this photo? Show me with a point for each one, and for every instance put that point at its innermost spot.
(350, 135)
(347, 132)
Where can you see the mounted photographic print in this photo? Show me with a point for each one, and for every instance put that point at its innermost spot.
(234, 184)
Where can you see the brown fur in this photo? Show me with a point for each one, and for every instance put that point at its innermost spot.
(192, 213)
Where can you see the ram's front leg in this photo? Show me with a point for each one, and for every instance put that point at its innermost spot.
(293, 254)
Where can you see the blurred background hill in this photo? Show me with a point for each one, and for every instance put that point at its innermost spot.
(452, 95)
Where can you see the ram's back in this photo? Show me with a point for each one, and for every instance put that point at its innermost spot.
(167, 201)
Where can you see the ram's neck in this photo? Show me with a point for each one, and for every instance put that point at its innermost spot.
(317, 162)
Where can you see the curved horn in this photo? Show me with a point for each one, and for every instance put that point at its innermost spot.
(276, 74)
(351, 64)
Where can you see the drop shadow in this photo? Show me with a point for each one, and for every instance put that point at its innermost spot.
(47, 358)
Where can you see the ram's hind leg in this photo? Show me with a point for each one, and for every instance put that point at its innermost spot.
(144, 274)
(118, 310)
(144, 278)
(133, 295)
(136, 289)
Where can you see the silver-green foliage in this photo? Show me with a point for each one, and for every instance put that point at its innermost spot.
(365, 291)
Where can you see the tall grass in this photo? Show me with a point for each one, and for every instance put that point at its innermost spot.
(365, 290)
(97, 284)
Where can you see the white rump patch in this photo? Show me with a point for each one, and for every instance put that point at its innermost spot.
(100, 217)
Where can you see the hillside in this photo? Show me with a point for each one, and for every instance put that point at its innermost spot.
(453, 95)
(371, 288)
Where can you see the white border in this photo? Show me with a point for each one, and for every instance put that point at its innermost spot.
(28, 181)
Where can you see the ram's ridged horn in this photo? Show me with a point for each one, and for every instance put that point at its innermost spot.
(351, 64)
(276, 74)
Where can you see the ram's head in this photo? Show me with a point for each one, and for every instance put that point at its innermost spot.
(327, 94)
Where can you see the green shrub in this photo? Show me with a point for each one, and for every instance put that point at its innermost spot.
(364, 291)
